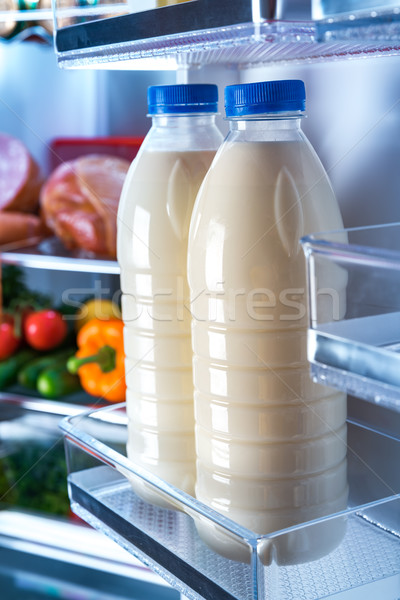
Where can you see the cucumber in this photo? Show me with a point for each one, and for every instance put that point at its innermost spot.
(29, 374)
(10, 367)
(57, 381)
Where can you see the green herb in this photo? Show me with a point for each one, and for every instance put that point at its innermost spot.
(16, 294)
(35, 477)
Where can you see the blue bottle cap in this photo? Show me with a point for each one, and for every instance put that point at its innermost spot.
(190, 98)
(265, 97)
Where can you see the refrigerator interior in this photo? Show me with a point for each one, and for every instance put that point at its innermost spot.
(353, 119)
(353, 113)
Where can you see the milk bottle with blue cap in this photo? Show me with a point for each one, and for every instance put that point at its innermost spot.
(153, 225)
(270, 443)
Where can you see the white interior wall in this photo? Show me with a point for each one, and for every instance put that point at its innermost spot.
(39, 102)
(124, 100)
(353, 121)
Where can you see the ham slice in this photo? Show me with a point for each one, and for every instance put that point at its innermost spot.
(20, 179)
(79, 202)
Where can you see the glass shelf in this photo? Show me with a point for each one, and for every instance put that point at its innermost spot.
(69, 542)
(203, 32)
(51, 254)
(37, 14)
(357, 20)
(14, 401)
(357, 351)
(26, 24)
(284, 565)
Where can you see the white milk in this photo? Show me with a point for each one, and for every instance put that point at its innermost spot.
(155, 210)
(271, 444)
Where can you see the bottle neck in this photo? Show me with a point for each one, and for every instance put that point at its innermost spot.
(271, 126)
(183, 132)
(183, 120)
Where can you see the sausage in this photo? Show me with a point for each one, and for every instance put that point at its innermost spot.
(18, 226)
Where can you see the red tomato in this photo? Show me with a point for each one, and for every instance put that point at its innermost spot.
(9, 342)
(45, 329)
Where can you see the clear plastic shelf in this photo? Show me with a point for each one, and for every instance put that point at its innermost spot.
(357, 20)
(359, 351)
(231, 32)
(288, 564)
(50, 253)
(16, 401)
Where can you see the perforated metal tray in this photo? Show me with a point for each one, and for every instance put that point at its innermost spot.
(367, 559)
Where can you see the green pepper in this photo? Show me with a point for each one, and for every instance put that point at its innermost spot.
(29, 374)
(10, 367)
(57, 381)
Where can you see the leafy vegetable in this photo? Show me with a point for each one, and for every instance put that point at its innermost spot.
(35, 477)
(16, 294)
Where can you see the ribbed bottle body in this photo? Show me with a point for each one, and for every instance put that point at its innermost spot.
(154, 217)
(270, 443)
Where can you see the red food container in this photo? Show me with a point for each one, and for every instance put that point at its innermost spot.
(64, 149)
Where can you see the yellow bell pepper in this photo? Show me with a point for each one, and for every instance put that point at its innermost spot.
(96, 308)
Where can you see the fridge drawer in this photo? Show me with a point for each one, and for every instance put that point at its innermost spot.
(358, 351)
(353, 551)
